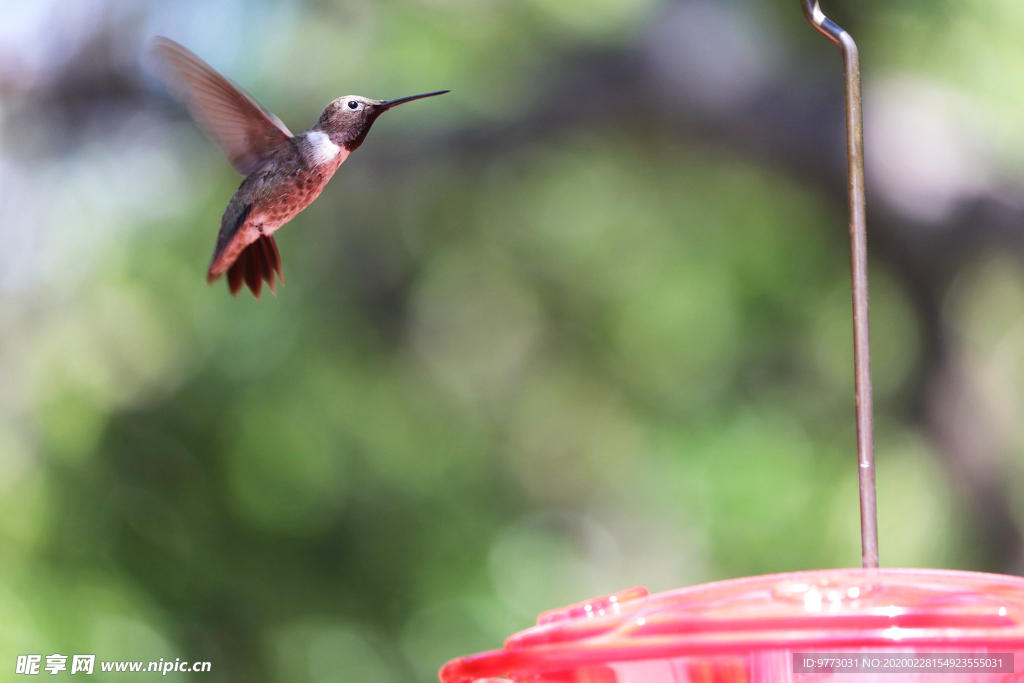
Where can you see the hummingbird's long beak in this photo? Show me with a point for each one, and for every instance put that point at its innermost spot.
(410, 98)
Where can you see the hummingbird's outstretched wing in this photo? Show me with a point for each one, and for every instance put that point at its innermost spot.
(244, 131)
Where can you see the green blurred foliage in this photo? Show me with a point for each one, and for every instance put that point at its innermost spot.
(490, 387)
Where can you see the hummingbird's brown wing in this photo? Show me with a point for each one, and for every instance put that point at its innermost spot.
(233, 121)
(243, 253)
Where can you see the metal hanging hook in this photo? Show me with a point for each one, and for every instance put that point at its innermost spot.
(859, 249)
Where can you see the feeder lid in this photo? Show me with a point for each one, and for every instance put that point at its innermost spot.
(817, 610)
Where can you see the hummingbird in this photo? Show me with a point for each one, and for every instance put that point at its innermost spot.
(284, 173)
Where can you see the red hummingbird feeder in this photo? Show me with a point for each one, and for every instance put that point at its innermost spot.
(869, 624)
(892, 625)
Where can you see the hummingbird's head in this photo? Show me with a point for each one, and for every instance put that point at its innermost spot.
(348, 119)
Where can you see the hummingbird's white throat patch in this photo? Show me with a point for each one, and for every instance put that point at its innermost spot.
(319, 149)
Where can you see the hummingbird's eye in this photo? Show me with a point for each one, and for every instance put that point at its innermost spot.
(352, 104)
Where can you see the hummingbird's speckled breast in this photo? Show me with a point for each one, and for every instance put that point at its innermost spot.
(292, 185)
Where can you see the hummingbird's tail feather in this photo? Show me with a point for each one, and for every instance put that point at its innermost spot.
(252, 279)
(274, 256)
(262, 266)
(235, 275)
(258, 263)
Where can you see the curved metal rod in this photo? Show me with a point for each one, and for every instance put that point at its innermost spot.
(859, 248)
